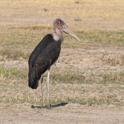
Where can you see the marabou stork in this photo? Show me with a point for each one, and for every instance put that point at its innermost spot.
(46, 53)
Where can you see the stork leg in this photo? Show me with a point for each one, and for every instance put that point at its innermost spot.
(48, 82)
(42, 95)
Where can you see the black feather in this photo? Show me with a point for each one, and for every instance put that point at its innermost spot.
(41, 59)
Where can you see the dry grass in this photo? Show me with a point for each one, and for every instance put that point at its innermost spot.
(18, 42)
(94, 77)
(88, 72)
(84, 14)
(68, 85)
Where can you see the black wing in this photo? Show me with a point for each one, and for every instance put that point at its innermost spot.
(43, 56)
(39, 49)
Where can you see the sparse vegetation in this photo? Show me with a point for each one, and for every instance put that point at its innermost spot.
(17, 43)
(99, 57)
(89, 75)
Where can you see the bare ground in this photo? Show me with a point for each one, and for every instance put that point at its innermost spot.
(72, 113)
(94, 64)
(69, 114)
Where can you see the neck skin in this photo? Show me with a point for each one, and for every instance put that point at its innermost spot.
(57, 35)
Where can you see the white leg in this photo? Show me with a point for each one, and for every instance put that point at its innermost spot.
(48, 81)
(42, 95)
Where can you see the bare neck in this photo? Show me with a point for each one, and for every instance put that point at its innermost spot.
(57, 35)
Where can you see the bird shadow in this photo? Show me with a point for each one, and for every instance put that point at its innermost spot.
(49, 107)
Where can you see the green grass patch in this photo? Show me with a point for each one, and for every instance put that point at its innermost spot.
(96, 38)
(11, 73)
(18, 42)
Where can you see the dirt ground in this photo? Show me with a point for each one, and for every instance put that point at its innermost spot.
(92, 61)
(69, 114)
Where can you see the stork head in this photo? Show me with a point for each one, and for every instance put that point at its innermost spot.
(59, 27)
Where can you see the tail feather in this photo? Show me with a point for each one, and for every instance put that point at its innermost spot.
(35, 74)
(33, 80)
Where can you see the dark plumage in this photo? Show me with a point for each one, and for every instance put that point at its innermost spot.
(42, 57)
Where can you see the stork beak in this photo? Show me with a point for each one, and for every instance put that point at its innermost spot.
(67, 31)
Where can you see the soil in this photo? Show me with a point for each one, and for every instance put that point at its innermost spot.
(68, 114)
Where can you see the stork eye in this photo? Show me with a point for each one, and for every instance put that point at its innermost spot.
(58, 22)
